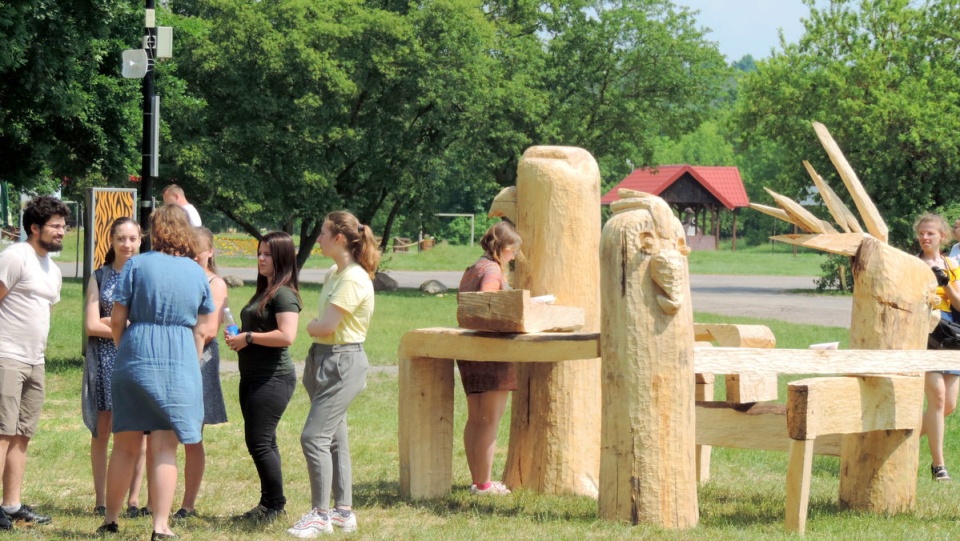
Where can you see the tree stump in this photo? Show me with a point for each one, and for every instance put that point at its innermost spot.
(554, 440)
(648, 434)
(891, 310)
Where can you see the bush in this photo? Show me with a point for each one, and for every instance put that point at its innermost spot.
(830, 271)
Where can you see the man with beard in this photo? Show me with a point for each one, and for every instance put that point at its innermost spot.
(29, 287)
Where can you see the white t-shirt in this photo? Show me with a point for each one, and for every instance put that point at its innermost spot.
(193, 214)
(955, 253)
(33, 285)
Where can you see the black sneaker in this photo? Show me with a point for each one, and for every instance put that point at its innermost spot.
(145, 512)
(100, 510)
(112, 527)
(261, 513)
(26, 514)
(183, 514)
(133, 511)
(5, 522)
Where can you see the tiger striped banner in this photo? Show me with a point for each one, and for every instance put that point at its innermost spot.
(104, 205)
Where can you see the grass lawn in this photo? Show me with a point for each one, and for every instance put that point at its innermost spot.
(744, 499)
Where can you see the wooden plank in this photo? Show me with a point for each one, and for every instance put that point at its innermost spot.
(808, 361)
(448, 343)
(425, 429)
(511, 311)
(746, 388)
(800, 216)
(799, 468)
(737, 336)
(848, 405)
(868, 211)
(703, 393)
(836, 243)
(779, 214)
(752, 426)
(841, 214)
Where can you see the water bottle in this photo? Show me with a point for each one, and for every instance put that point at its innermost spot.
(231, 324)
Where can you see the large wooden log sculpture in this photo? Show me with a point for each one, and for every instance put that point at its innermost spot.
(554, 441)
(647, 462)
(893, 295)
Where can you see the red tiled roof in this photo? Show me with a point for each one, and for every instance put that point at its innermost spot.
(722, 181)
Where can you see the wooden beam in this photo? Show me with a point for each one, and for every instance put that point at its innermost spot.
(751, 426)
(836, 243)
(779, 214)
(511, 311)
(808, 361)
(737, 336)
(868, 211)
(425, 430)
(446, 343)
(799, 468)
(849, 405)
(841, 214)
(801, 216)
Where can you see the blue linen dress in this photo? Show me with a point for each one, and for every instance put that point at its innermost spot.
(156, 378)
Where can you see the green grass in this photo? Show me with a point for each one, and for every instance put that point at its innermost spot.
(767, 259)
(744, 499)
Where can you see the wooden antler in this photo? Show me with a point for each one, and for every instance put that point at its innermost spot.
(868, 211)
(801, 216)
(841, 214)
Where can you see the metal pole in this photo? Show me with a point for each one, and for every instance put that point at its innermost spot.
(148, 145)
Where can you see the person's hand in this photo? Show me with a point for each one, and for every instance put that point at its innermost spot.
(236, 342)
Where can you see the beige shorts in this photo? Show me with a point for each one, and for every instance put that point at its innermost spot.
(21, 397)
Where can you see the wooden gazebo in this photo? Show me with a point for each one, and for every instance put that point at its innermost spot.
(692, 191)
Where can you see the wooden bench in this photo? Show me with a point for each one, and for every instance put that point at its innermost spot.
(402, 244)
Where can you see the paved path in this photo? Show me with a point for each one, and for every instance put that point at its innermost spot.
(761, 297)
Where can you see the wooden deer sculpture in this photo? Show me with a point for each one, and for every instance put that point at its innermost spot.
(892, 300)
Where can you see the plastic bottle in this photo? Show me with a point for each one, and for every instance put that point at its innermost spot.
(229, 322)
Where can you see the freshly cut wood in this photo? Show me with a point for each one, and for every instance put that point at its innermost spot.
(836, 243)
(779, 214)
(445, 343)
(554, 441)
(751, 426)
(799, 215)
(868, 211)
(703, 392)
(748, 388)
(799, 469)
(425, 427)
(647, 461)
(809, 361)
(849, 405)
(511, 311)
(505, 204)
(841, 214)
(738, 336)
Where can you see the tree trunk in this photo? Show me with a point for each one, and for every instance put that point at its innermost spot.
(648, 435)
(308, 238)
(554, 436)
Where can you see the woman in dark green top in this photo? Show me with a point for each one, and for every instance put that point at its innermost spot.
(267, 377)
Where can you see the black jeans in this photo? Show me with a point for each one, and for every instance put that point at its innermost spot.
(262, 403)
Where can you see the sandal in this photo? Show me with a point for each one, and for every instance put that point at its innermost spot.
(939, 473)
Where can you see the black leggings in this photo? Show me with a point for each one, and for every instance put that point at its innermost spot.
(262, 403)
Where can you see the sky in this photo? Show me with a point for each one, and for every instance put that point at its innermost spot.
(742, 27)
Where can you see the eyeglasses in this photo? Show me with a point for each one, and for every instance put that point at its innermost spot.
(58, 227)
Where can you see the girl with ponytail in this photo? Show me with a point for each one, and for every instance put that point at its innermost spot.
(336, 371)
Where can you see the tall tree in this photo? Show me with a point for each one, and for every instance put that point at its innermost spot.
(64, 110)
(882, 75)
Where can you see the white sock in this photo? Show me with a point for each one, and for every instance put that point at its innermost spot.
(10, 508)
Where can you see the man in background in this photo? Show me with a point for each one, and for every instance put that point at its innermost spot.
(173, 195)
(29, 287)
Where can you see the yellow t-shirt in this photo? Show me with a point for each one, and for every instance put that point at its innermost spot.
(952, 273)
(352, 291)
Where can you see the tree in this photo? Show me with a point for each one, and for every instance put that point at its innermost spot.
(64, 110)
(883, 76)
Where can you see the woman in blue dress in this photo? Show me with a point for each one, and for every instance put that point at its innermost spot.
(101, 354)
(156, 378)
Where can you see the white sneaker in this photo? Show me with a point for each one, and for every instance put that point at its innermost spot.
(347, 524)
(496, 488)
(311, 525)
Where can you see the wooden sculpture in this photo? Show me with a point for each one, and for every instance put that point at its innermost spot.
(892, 300)
(554, 441)
(647, 463)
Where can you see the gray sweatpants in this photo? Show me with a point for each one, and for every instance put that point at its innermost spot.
(332, 376)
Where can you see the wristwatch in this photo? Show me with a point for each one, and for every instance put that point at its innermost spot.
(249, 338)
